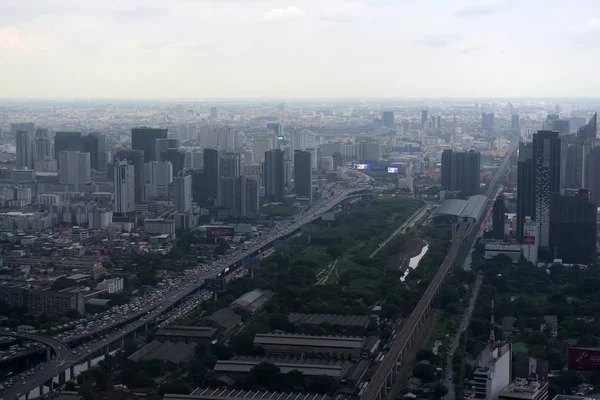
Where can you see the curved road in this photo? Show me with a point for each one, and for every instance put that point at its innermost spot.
(66, 359)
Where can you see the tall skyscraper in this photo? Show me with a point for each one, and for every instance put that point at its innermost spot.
(573, 228)
(28, 127)
(487, 122)
(23, 149)
(212, 173)
(515, 123)
(530, 238)
(158, 176)
(461, 171)
(66, 141)
(260, 147)
(95, 144)
(124, 181)
(546, 159)
(75, 168)
(164, 144)
(303, 175)
(43, 147)
(593, 174)
(175, 157)
(387, 119)
(135, 158)
(498, 212)
(525, 188)
(144, 139)
(231, 165)
(562, 126)
(274, 176)
(183, 193)
(251, 202)
(213, 112)
(423, 119)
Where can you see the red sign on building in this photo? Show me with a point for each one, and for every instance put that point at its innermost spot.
(529, 239)
(584, 359)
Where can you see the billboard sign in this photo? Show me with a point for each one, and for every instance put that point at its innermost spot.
(362, 166)
(253, 262)
(280, 137)
(219, 231)
(328, 216)
(214, 285)
(529, 239)
(584, 358)
(392, 170)
(309, 228)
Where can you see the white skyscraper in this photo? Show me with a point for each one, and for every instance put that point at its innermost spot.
(159, 175)
(530, 244)
(75, 168)
(124, 180)
(183, 193)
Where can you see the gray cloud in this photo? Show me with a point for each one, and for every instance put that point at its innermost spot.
(480, 8)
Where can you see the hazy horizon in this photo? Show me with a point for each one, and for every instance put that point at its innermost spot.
(187, 50)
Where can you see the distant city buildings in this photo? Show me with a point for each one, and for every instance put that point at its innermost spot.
(461, 172)
(144, 139)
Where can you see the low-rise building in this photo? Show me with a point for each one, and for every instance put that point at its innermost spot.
(159, 226)
(253, 301)
(351, 321)
(523, 389)
(512, 251)
(114, 285)
(187, 334)
(342, 347)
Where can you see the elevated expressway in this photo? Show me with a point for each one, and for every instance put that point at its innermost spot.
(388, 370)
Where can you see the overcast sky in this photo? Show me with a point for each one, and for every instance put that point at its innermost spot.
(198, 49)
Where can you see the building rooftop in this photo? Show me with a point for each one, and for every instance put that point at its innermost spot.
(471, 208)
(225, 318)
(523, 389)
(312, 341)
(202, 332)
(253, 301)
(236, 394)
(331, 319)
(175, 353)
(334, 369)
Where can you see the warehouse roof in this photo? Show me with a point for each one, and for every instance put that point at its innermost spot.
(225, 318)
(254, 300)
(331, 319)
(305, 340)
(236, 394)
(334, 369)
(175, 353)
(202, 332)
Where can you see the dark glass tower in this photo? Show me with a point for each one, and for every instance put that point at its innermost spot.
(460, 171)
(387, 119)
(135, 158)
(573, 228)
(66, 141)
(212, 173)
(546, 159)
(303, 174)
(95, 144)
(525, 188)
(498, 218)
(144, 139)
(274, 176)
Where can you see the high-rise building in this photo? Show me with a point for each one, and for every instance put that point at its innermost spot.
(487, 122)
(158, 176)
(303, 175)
(498, 212)
(493, 372)
(176, 158)
(593, 174)
(95, 144)
(124, 181)
(74, 168)
(260, 147)
(66, 141)
(515, 123)
(546, 160)
(525, 188)
(562, 126)
(43, 147)
(423, 119)
(530, 239)
(274, 176)
(387, 119)
(144, 139)
(251, 203)
(23, 149)
(135, 158)
(183, 193)
(573, 228)
(438, 122)
(213, 112)
(461, 171)
(231, 165)
(212, 173)
(28, 127)
(164, 144)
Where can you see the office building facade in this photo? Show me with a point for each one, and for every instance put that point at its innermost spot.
(135, 158)
(573, 228)
(488, 122)
(66, 141)
(274, 176)
(461, 171)
(303, 175)
(212, 173)
(498, 212)
(525, 188)
(183, 193)
(75, 168)
(515, 123)
(23, 150)
(95, 144)
(387, 119)
(124, 183)
(546, 159)
(144, 139)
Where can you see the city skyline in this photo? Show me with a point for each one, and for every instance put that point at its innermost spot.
(298, 49)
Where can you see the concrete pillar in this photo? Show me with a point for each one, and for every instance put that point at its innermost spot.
(89, 362)
(61, 378)
(134, 335)
(48, 354)
(72, 372)
(107, 348)
(122, 341)
(41, 389)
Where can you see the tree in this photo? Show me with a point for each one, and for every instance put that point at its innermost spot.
(424, 372)
(265, 375)
(322, 384)
(439, 391)
(425, 354)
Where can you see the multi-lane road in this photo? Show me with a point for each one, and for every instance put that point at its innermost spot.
(146, 315)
